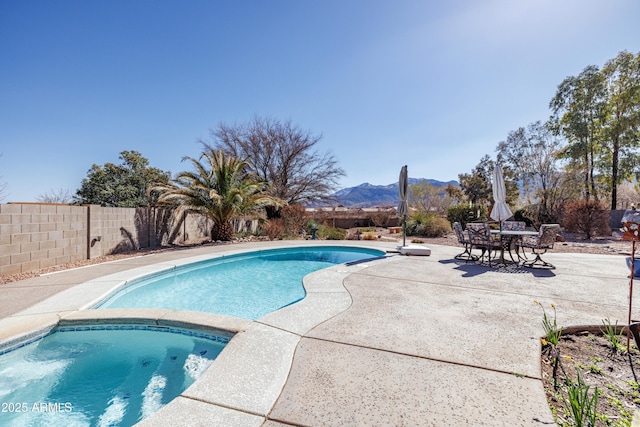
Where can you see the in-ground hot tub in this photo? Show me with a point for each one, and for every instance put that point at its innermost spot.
(100, 374)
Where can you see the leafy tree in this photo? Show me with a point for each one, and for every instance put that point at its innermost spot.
(579, 108)
(220, 187)
(123, 185)
(532, 154)
(622, 122)
(284, 156)
(477, 185)
(62, 196)
(455, 193)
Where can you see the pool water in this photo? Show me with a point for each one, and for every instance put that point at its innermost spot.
(83, 377)
(248, 286)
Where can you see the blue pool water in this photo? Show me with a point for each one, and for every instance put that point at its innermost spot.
(248, 286)
(76, 377)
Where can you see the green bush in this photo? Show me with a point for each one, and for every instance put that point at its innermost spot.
(464, 214)
(331, 233)
(427, 224)
(533, 216)
(524, 214)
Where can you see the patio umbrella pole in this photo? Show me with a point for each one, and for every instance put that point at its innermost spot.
(633, 272)
(403, 186)
(404, 230)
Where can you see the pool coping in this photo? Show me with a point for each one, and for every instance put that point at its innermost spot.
(244, 382)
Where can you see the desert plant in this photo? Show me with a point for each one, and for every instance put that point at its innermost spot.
(295, 219)
(588, 217)
(331, 233)
(367, 230)
(219, 188)
(274, 228)
(426, 224)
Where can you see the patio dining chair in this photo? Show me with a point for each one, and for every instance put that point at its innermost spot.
(512, 241)
(513, 225)
(480, 237)
(539, 245)
(463, 239)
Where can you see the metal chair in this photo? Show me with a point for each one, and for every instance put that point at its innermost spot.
(513, 225)
(480, 237)
(463, 239)
(540, 244)
(512, 241)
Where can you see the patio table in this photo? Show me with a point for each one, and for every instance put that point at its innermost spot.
(508, 238)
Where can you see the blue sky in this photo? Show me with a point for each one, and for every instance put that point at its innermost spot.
(434, 85)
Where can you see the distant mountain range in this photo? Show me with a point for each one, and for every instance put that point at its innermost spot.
(368, 196)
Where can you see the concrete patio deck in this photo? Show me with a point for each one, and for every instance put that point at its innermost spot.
(400, 341)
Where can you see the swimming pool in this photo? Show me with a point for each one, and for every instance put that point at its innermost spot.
(101, 375)
(248, 285)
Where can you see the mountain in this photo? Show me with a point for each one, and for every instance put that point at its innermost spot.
(367, 195)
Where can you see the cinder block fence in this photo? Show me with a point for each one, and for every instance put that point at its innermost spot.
(34, 235)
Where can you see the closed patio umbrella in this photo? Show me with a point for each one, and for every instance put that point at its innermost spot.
(500, 210)
(403, 188)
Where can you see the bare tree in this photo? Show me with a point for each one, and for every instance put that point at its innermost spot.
(62, 196)
(532, 153)
(426, 197)
(284, 156)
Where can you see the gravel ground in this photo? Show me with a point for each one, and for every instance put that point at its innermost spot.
(571, 243)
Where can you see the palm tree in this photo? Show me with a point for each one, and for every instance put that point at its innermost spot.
(219, 188)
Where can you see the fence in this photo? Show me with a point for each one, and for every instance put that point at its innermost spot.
(34, 236)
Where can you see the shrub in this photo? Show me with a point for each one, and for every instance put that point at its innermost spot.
(331, 233)
(464, 214)
(367, 230)
(588, 217)
(274, 228)
(525, 215)
(295, 219)
(532, 215)
(427, 224)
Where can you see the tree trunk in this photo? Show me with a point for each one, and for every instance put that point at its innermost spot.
(614, 174)
(587, 193)
(222, 231)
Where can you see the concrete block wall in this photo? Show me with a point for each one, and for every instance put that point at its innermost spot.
(34, 236)
(116, 230)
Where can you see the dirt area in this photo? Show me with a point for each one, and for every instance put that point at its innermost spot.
(612, 372)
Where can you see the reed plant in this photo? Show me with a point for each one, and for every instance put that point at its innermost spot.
(551, 329)
(581, 406)
(613, 334)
